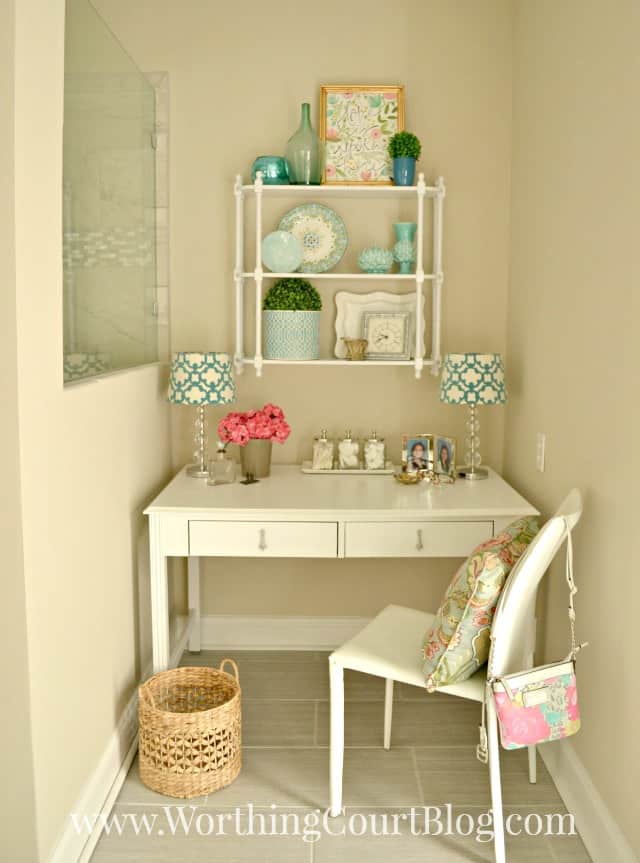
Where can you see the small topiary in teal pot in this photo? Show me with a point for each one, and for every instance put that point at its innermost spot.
(404, 149)
(291, 321)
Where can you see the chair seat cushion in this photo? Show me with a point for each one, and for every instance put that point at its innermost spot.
(456, 643)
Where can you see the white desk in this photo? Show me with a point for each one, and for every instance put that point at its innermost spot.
(291, 514)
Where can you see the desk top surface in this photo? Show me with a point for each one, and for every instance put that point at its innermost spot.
(290, 493)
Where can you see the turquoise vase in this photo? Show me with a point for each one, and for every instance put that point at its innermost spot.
(305, 152)
(404, 251)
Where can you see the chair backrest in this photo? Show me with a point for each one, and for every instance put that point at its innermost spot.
(512, 633)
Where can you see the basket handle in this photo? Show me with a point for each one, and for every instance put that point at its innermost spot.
(236, 673)
(147, 695)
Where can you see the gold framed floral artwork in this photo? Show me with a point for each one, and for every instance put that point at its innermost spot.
(356, 122)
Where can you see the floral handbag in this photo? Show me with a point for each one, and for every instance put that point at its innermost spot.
(540, 704)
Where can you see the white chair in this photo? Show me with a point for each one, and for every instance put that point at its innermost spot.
(390, 647)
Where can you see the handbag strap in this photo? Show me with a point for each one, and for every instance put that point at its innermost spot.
(482, 748)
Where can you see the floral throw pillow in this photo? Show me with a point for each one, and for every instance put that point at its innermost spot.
(458, 642)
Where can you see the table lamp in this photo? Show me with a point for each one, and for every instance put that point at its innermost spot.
(201, 379)
(473, 379)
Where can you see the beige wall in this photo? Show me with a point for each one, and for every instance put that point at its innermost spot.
(91, 457)
(17, 798)
(237, 80)
(572, 318)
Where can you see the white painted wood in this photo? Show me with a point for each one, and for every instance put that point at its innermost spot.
(415, 539)
(319, 509)
(258, 187)
(494, 781)
(380, 277)
(388, 712)
(598, 828)
(193, 566)
(248, 361)
(438, 201)
(263, 539)
(336, 757)
(238, 274)
(260, 190)
(277, 632)
(289, 495)
(159, 595)
(418, 348)
(341, 191)
(174, 535)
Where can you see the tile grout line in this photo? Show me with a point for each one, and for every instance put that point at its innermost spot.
(416, 773)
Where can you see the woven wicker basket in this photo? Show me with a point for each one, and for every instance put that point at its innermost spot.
(190, 730)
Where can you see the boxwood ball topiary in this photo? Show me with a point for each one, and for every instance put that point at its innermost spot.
(293, 295)
(404, 144)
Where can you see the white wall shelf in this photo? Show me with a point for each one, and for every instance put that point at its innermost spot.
(242, 278)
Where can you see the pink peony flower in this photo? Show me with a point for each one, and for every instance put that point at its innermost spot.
(265, 424)
(390, 96)
(365, 175)
(273, 411)
(376, 133)
(332, 133)
(330, 171)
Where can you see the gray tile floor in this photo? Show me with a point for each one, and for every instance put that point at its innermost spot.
(285, 774)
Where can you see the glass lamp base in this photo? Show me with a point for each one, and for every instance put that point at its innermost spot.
(197, 471)
(473, 473)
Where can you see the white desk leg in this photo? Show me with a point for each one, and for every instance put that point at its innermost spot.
(194, 603)
(159, 597)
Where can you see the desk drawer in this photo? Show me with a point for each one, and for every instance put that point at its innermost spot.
(415, 538)
(263, 539)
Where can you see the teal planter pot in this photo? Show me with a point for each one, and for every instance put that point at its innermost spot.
(291, 335)
(404, 170)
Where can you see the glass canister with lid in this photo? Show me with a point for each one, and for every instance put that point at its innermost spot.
(323, 452)
(374, 453)
(348, 453)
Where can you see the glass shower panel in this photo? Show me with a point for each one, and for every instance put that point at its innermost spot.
(109, 267)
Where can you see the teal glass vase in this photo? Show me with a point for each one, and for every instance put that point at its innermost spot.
(305, 152)
(404, 251)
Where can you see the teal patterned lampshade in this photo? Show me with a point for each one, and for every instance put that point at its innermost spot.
(473, 379)
(201, 379)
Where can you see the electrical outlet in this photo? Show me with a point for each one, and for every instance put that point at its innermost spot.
(541, 445)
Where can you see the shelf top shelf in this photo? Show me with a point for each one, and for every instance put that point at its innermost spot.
(380, 277)
(346, 190)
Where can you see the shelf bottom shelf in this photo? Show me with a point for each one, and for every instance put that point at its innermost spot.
(250, 361)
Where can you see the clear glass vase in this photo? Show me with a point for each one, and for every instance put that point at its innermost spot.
(305, 152)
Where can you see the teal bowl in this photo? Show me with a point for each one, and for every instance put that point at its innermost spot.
(274, 170)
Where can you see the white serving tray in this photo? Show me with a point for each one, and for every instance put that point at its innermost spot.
(351, 306)
(388, 470)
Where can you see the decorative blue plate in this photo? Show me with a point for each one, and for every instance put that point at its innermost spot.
(322, 234)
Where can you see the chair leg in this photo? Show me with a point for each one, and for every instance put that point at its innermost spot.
(388, 711)
(496, 785)
(336, 678)
(533, 778)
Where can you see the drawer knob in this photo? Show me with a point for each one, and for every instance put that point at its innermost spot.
(262, 542)
(419, 543)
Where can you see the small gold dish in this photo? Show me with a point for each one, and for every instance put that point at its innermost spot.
(408, 478)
